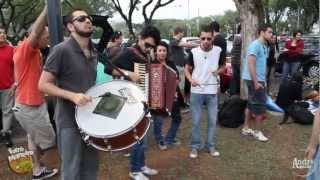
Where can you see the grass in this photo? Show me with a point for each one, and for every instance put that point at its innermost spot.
(242, 158)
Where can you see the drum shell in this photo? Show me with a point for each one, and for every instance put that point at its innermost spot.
(123, 141)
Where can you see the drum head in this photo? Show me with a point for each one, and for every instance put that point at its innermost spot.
(127, 114)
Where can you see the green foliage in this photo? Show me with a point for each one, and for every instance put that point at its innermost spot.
(227, 23)
(285, 16)
(166, 26)
(98, 7)
(17, 15)
(289, 15)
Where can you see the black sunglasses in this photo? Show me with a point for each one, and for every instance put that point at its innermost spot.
(82, 18)
(204, 38)
(148, 45)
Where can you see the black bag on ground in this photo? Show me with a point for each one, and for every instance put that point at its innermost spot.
(231, 114)
(300, 113)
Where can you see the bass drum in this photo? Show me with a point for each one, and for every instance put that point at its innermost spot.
(115, 119)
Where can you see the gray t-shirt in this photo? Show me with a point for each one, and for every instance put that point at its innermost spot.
(176, 53)
(73, 72)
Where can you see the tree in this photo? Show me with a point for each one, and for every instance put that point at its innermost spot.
(289, 15)
(251, 16)
(18, 15)
(135, 5)
(307, 13)
(159, 4)
(97, 7)
(126, 17)
(228, 21)
(275, 10)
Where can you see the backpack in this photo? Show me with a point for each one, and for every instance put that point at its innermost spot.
(231, 114)
(300, 113)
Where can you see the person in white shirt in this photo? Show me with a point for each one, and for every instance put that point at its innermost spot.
(202, 70)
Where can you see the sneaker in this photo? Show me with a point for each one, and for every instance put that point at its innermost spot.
(176, 142)
(247, 131)
(148, 171)
(213, 152)
(162, 146)
(138, 176)
(259, 136)
(185, 110)
(5, 138)
(193, 154)
(45, 173)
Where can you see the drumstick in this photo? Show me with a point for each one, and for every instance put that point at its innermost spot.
(207, 84)
(103, 95)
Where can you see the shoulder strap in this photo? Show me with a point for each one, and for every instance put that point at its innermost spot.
(136, 52)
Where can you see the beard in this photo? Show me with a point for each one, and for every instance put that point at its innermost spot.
(206, 47)
(82, 33)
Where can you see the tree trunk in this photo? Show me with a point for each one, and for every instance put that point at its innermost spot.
(130, 28)
(251, 16)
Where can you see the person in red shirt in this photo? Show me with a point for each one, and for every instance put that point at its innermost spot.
(30, 108)
(6, 86)
(292, 55)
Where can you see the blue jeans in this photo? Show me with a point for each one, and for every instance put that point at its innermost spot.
(196, 105)
(175, 123)
(137, 156)
(289, 68)
(314, 171)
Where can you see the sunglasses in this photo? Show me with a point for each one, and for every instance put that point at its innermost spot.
(204, 38)
(82, 18)
(148, 45)
(118, 33)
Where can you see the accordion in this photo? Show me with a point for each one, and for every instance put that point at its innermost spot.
(159, 83)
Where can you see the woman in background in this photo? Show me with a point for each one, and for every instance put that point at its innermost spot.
(162, 58)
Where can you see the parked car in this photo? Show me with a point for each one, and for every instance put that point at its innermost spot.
(166, 41)
(194, 40)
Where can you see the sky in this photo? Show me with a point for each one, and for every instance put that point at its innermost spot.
(179, 9)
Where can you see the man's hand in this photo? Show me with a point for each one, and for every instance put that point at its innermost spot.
(81, 99)
(257, 86)
(12, 90)
(133, 76)
(215, 73)
(311, 152)
(194, 83)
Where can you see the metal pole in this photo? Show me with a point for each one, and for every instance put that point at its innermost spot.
(198, 20)
(54, 22)
(298, 22)
(188, 24)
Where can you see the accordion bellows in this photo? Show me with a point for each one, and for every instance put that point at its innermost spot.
(159, 82)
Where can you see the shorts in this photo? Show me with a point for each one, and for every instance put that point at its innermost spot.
(256, 98)
(35, 121)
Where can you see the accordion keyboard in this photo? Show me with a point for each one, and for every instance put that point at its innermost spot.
(141, 70)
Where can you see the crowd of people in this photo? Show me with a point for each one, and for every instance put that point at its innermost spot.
(71, 69)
